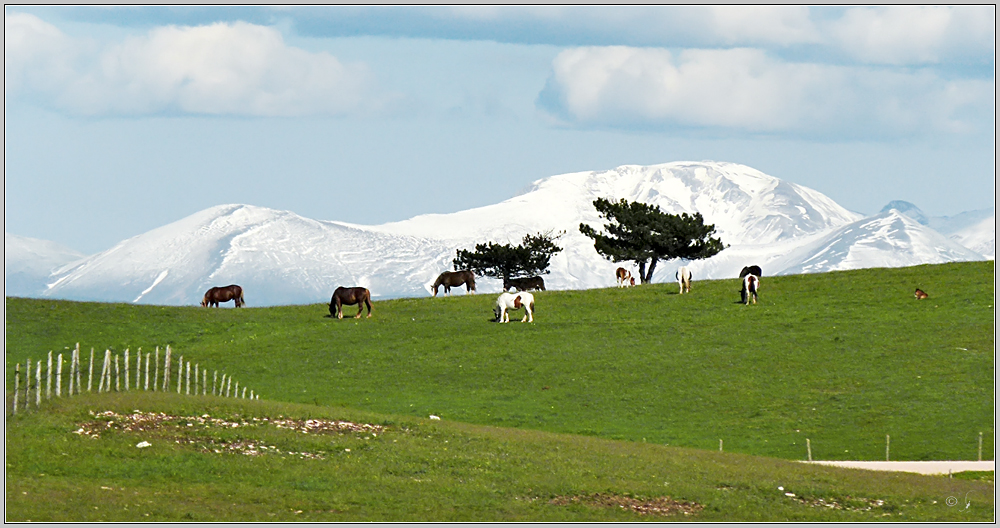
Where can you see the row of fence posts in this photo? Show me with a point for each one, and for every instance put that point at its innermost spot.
(104, 383)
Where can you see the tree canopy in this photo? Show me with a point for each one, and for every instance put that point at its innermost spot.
(505, 261)
(644, 234)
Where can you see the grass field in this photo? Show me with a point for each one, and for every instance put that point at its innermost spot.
(842, 359)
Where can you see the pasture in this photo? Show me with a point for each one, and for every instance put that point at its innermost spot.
(842, 359)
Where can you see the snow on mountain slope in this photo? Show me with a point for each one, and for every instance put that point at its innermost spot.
(979, 237)
(887, 240)
(28, 262)
(278, 257)
(282, 258)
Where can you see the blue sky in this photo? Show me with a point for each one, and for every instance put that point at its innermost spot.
(119, 120)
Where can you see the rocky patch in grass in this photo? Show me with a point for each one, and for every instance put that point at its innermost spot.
(173, 426)
(656, 506)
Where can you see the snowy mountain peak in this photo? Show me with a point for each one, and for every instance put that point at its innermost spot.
(279, 257)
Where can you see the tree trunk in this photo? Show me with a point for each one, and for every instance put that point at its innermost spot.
(646, 279)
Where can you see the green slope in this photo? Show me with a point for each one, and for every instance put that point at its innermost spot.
(843, 359)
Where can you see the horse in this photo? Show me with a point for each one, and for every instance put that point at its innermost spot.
(919, 294)
(219, 294)
(455, 278)
(342, 296)
(751, 270)
(683, 277)
(624, 277)
(751, 283)
(524, 283)
(514, 301)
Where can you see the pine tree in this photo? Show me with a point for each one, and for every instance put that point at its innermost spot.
(505, 261)
(644, 234)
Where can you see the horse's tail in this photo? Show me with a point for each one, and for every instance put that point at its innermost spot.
(242, 301)
(368, 302)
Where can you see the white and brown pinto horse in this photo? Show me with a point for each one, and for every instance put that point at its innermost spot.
(683, 276)
(624, 277)
(514, 301)
(751, 283)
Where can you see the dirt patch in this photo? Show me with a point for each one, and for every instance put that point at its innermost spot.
(657, 506)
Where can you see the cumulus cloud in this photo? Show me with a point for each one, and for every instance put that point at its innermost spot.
(916, 34)
(747, 90)
(223, 69)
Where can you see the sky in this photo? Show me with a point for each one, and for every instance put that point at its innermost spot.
(119, 120)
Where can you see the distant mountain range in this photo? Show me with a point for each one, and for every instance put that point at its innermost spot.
(282, 258)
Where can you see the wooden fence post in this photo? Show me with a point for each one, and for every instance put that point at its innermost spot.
(180, 374)
(17, 385)
(245, 393)
(138, 367)
(117, 375)
(196, 372)
(809, 451)
(38, 384)
(215, 377)
(59, 376)
(27, 385)
(236, 392)
(48, 379)
(90, 376)
(980, 446)
(145, 385)
(72, 367)
(126, 370)
(720, 445)
(156, 369)
(886, 448)
(166, 371)
(229, 383)
(251, 395)
(78, 387)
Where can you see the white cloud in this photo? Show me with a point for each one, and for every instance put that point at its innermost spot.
(745, 89)
(224, 69)
(743, 24)
(916, 34)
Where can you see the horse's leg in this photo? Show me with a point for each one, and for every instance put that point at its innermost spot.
(340, 309)
(361, 308)
(368, 303)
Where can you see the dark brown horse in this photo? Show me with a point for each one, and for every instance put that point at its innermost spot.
(342, 296)
(455, 278)
(223, 294)
(524, 284)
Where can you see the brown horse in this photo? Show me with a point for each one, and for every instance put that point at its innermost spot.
(524, 284)
(223, 294)
(455, 278)
(342, 296)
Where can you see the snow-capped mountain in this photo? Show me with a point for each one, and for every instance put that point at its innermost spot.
(979, 237)
(29, 262)
(889, 239)
(282, 258)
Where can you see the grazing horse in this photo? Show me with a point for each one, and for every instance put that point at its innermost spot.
(525, 283)
(683, 276)
(919, 294)
(624, 277)
(751, 270)
(223, 294)
(751, 283)
(514, 301)
(455, 278)
(342, 296)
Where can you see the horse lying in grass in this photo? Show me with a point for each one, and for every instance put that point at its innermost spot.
(449, 279)
(525, 283)
(920, 294)
(683, 276)
(223, 294)
(514, 301)
(342, 296)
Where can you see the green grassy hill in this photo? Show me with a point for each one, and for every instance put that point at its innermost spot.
(842, 359)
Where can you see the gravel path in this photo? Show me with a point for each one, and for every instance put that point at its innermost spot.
(924, 467)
